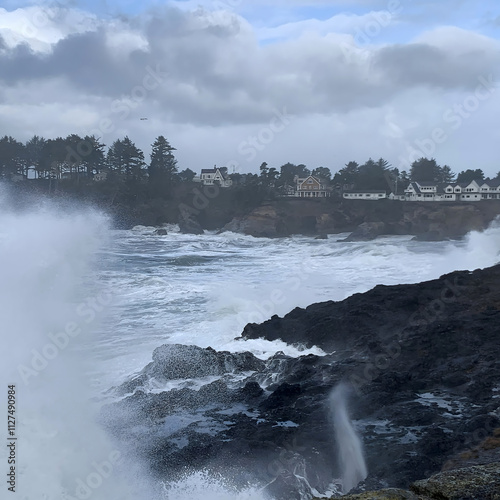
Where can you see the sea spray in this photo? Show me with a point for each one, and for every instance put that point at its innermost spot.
(46, 257)
(350, 449)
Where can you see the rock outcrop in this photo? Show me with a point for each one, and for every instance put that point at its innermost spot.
(473, 483)
(423, 362)
(430, 221)
(188, 224)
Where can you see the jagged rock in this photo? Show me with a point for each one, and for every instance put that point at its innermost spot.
(321, 237)
(176, 361)
(367, 231)
(473, 483)
(189, 225)
(264, 221)
(384, 494)
(366, 219)
(423, 362)
(161, 232)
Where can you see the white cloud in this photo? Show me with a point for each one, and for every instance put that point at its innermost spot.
(41, 27)
(216, 85)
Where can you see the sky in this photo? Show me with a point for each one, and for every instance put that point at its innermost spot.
(239, 82)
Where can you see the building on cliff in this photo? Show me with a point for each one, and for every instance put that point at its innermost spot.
(471, 191)
(433, 191)
(310, 187)
(366, 194)
(210, 176)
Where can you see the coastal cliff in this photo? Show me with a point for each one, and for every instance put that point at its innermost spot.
(365, 219)
(422, 362)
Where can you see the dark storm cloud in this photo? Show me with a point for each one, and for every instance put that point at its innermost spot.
(83, 59)
(213, 71)
(419, 64)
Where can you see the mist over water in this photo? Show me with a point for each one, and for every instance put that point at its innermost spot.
(82, 308)
(45, 260)
(349, 446)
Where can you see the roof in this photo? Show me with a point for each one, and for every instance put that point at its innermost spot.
(426, 183)
(493, 183)
(208, 170)
(415, 187)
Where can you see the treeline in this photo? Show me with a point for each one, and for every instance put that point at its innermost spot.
(73, 162)
(83, 157)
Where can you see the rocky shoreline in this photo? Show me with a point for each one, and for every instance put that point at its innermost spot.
(422, 361)
(366, 220)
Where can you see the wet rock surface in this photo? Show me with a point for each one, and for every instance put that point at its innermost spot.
(188, 224)
(366, 220)
(423, 363)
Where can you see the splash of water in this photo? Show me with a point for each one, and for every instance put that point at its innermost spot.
(45, 260)
(350, 448)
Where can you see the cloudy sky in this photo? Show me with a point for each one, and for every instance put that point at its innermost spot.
(239, 82)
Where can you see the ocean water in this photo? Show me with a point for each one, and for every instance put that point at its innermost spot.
(83, 307)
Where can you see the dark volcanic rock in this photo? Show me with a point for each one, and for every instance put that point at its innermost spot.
(366, 219)
(189, 225)
(367, 231)
(176, 361)
(161, 232)
(423, 362)
(479, 482)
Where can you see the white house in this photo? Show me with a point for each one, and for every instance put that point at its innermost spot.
(490, 190)
(310, 187)
(209, 176)
(433, 191)
(366, 194)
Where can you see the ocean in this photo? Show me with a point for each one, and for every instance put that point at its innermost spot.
(83, 307)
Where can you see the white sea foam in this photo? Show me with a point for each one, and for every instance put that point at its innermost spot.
(187, 289)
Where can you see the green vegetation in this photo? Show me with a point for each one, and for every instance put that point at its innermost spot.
(122, 177)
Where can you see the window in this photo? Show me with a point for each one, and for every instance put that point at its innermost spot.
(309, 181)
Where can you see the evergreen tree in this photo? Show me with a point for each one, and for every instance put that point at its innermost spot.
(425, 170)
(322, 173)
(288, 171)
(373, 175)
(469, 175)
(53, 159)
(126, 161)
(186, 175)
(33, 154)
(163, 165)
(347, 176)
(447, 175)
(12, 157)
